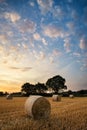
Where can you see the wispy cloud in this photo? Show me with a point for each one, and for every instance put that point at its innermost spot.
(21, 69)
(31, 3)
(56, 52)
(3, 39)
(83, 67)
(83, 43)
(67, 45)
(84, 63)
(74, 15)
(36, 36)
(44, 41)
(53, 31)
(51, 59)
(45, 5)
(76, 54)
(58, 12)
(27, 26)
(1, 48)
(12, 16)
(71, 25)
(25, 46)
(39, 56)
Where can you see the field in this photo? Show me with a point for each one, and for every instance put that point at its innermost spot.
(69, 114)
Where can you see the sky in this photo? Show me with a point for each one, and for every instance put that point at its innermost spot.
(40, 39)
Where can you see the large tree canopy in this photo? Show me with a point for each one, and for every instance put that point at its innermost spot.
(56, 83)
(28, 88)
(41, 87)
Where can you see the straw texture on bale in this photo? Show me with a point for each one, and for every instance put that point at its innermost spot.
(56, 98)
(9, 97)
(71, 96)
(37, 107)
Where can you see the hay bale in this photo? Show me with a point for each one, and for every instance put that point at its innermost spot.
(56, 98)
(71, 96)
(9, 96)
(37, 107)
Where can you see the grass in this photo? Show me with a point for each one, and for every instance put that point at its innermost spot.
(69, 114)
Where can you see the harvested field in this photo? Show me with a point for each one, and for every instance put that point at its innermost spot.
(69, 114)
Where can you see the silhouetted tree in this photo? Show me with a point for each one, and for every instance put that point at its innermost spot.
(70, 92)
(6, 93)
(40, 87)
(28, 88)
(56, 83)
(1, 93)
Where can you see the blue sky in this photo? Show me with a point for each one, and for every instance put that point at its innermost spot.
(40, 39)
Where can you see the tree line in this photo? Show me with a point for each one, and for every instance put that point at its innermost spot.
(55, 83)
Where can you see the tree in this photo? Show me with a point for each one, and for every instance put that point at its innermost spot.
(56, 83)
(70, 92)
(1, 93)
(28, 88)
(40, 87)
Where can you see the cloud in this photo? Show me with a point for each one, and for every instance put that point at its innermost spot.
(74, 15)
(45, 5)
(84, 62)
(36, 36)
(67, 45)
(13, 48)
(83, 43)
(51, 59)
(21, 69)
(31, 3)
(77, 54)
(56, 52)
(1, 48)
(24, 46)
(40, 55)
(5, 61)
(27, 26)
(10, 34)
(58, 12)
(53, 31)
(12, 16)
(71, 25)
(83, 67)
(3, 39)
(44, 42)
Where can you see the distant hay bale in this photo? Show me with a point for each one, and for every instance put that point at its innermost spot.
(56, 98)
(37, 107)
(71, 96)
(9, 96)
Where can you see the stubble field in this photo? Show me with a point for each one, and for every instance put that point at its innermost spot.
(69, 114)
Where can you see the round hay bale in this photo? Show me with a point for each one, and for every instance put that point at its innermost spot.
(71, 96)
(56, 98)
(37, 107)
(9, 96)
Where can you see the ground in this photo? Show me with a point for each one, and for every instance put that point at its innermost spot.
(68, 114)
